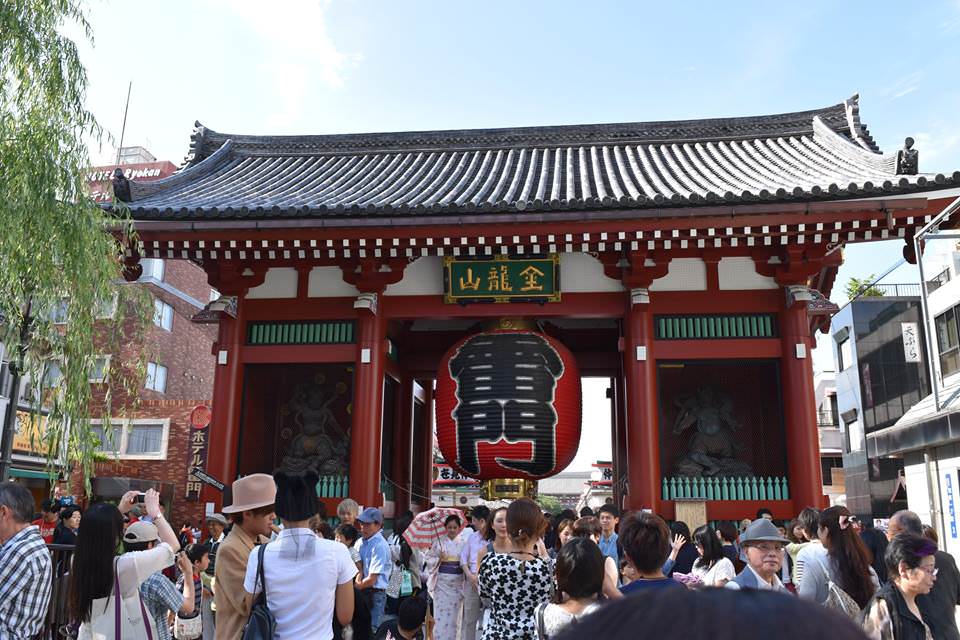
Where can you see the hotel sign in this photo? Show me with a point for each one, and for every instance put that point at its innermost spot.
(502, 279)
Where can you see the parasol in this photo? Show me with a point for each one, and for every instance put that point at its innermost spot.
(427, 527)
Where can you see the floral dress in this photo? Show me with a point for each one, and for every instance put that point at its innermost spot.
(514, 588)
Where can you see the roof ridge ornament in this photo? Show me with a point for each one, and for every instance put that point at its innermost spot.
(857, 131)
(908, 159)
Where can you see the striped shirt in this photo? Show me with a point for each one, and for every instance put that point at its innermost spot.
(25, 584)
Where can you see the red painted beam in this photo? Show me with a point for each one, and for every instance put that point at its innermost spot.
(735, 509)
(573, 305)
(716, 349)
(292, 309)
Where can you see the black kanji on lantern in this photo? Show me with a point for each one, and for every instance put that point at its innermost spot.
(505, 390)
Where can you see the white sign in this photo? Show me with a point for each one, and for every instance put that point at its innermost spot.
(911, 341)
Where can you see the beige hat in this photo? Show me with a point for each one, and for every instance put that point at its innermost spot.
(252, 492)
(141, 531)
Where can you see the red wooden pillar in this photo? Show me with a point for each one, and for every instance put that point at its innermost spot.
(799, 409)
(620, 444)
(366, 429)
(425, 473)
(223, 443)
(642, 416)
(402, 445)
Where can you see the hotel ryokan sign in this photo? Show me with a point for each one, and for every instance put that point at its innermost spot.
(502, 279)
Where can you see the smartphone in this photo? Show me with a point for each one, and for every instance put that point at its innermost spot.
(140, 497)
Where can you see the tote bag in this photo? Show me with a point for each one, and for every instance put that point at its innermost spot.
(121, 615)
(838, 599)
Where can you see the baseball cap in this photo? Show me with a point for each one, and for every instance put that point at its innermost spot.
(141, 531)
(371, 514)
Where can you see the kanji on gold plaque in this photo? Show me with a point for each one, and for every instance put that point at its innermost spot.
(502, 279)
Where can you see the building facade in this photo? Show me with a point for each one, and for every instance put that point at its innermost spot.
(881, 373)
(690, 264)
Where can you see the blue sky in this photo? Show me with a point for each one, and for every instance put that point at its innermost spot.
(245, 66)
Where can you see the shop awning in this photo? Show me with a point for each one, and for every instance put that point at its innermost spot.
(29, 473)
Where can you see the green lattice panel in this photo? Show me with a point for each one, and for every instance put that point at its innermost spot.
(305, 332)
(716, 327)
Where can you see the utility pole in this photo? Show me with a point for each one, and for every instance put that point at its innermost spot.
(16, 373)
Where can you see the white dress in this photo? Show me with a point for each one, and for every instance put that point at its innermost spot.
(722, 569)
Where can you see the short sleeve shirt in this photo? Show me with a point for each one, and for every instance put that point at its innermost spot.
(160, 596)
(515, 589)
(302, 572)
(375, 555)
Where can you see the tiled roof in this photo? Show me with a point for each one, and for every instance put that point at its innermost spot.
(823, 154)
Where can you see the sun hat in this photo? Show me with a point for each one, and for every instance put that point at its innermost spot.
(371, 514)
(761, 530)
(141, 531)
(252, 492)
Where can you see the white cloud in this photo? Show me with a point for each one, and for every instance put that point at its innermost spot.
(298, 51)
(903, 85)
(938, 148)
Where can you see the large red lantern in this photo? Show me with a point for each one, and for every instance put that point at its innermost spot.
(508, 405)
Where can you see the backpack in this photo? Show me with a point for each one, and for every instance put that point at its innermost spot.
(838, 599)
(261, 625)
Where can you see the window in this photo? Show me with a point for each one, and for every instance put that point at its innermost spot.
(948, 342)
(100, 370)
(156, 377)
(214, 295)
(133, 439)
(144, 439)
(107, 308)
(845, 354)
(854, 435)
(58, 315)
(163, 315)
(152, 268)
(52, 375)
(109, 437)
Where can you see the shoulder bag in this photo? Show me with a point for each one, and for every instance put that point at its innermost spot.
(130, 620)
(838, 599)
(188, 628)
(261, 625)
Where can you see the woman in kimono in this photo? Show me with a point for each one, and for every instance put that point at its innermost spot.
(448, 580)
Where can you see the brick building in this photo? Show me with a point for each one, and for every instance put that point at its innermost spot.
(149, 441)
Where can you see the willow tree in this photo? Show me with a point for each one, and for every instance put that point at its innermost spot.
(60, 254)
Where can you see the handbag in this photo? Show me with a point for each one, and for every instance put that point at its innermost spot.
(261, 625)
(188, 628)
(401, 582)
(838, 599)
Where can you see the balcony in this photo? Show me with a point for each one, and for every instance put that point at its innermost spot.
(826, 418)
(906, 290)
(938, 281)
(831, 439)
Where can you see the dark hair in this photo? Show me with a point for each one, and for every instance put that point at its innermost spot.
(296, 495)
(719, 614)
(196, 552)
(586, 527)
(788, 528)
(908, 522)
(646, 541)
(321, 527)
(586, 511)
(348, 532)
(18, 499)
(50, 506)
(91, 575)
(130, 547)
(525, 522)
(406, 553)
(711, 551)
(452, 518)
(412, 613)
(563, 524)
(763, 511)
(849, 554)
(809, 522)
(876, 544)
(908, 548)
(237, 518)
(400, 524)
(931, 533)
(579, 569)
(680, 528)
(491, 534)
(728, 531)
(609, 508)
(480, 511)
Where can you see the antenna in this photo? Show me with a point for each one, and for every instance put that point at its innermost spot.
(123, 130)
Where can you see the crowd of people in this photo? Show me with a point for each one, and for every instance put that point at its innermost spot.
(511, 573)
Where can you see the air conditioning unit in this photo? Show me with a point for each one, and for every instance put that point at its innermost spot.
(5, 379)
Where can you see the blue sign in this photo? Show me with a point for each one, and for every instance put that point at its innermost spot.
(950, 507)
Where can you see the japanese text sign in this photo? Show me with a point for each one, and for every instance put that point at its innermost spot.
(502, 279)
